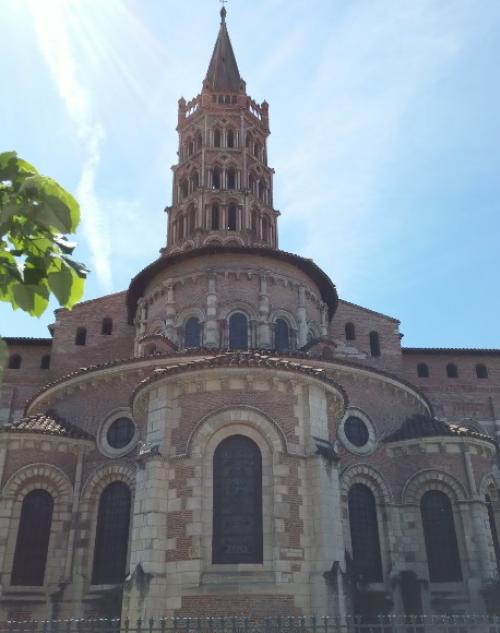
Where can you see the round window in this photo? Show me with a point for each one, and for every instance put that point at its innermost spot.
(356, 431)
(120, 433)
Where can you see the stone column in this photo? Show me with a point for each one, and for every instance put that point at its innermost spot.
(302, 318)
(324, 319)
(211, 334)
(140, 325)
(264, 334)
(170, 313)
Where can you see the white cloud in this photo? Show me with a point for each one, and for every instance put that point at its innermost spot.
(50, 24)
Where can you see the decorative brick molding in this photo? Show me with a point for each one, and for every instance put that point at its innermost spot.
(369, 476)
(425, 480)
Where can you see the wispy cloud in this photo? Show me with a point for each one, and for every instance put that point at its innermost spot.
(50, 25)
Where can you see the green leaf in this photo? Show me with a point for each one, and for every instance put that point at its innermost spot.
(31, 299)
(56, 208)
(80, 269)
(60, 283)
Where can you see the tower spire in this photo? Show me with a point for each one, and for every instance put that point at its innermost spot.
(223, 73)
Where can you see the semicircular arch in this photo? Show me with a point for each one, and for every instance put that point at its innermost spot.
(432, 479)
(33, 476)
(370, 477)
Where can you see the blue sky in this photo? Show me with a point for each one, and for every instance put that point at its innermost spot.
(385, 138)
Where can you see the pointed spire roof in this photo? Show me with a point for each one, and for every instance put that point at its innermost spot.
(223, 73)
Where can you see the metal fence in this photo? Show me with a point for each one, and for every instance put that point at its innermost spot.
(350, 624)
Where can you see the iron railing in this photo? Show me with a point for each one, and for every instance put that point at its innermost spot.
(349, 624)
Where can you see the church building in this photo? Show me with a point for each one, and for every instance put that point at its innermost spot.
(229, 437)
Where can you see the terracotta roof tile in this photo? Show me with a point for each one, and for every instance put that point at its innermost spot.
(45, 425)
(417, 426)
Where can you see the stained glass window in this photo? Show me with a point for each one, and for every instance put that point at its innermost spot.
(112, 533)
(441, 544)
(33, 536)
(364, 533)
(237, 502)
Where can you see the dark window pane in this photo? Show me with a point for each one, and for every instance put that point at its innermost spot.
(364, 533)
(231, 217)
(282, 336)
(231, 179)
(215, 217)
(81, 336)
(440, 537)
(45, 361)
(107, 326)
(481, 371)
(238, 331)
(14, 361)
(120, 433)
(422, 370)
(237, 509)
(192, 333)
(33, 539)
(451, 370)
(111, 539)
(374, 344)
(356, 431)
(350, 332)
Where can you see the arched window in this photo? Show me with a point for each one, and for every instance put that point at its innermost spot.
(451, 370)
(111, 537)
(184, 188)
(199, 140)
(192, 218)
(493, 529)
(365, 539)
(192, 333)
(230, 138)
(440, 536)
(265, 229)
(107, 326)
(262, 190)
(231, 217)
(216, 178)
(249, 141)
(195, 180)
(423, 370)
(251, 183)
(374, 344)
(238, 331)
(237, 502)
(231, 178)
(45, 361)
(350, 332)
(33, 536)
(217, 137)
(80, 336)
(190, 146)
(281, 335)
(180, 224)
(254, 223)
(256, 150)
(481, 371)
(215, 217)
(15, 361)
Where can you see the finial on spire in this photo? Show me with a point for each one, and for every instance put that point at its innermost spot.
(223, 11)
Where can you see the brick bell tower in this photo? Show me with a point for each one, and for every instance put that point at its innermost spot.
(222, 185)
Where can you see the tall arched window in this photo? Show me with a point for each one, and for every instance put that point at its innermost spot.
(423, 370)
(237, 502)
(265, 229)
(195, 180)
(199, 140)
(350, 332)
(180, 224)
(238, 331)
(281, 335)
(111, 537)
(230, 138)
(15, 361)
(184, 188)
(33, 536)
(215, 217)
(45, 361)
(231, 178)
(107, 326)
(217, 137)
(262, 190)
(251, 183)
(493, 529)
(481, 371)
(451, 370)
(80, 336)
(192, 333)
(254, 223)
(374, 344)
(365, 538)
(192, 218)
(216, 178)
(231, 217)
(440, 536)
(249, 141)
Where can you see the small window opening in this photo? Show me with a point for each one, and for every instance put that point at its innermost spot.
(192, 219)
(230, 138)
(231, 178)
(45, 361)
(374, 344)
(481, 371)
(265, 229)
(107, 326)
(282, 335)
(184, 189)
(350, 332)
(423, 370)
(451, 370)
(15, 361)
(81, 336)
(215, 217)
(217, 138)
(231, 217)
(216, 178)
